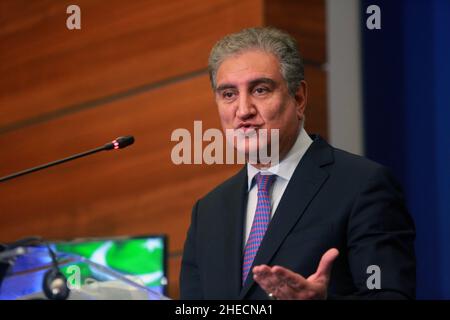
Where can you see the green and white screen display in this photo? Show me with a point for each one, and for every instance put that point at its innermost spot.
(143, 257)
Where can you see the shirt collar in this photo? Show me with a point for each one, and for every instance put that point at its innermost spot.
(285, 169)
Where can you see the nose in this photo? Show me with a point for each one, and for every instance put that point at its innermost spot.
(246, 109)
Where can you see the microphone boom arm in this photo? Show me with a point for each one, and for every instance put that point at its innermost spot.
(119, 143)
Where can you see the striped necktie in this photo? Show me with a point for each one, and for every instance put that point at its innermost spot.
(260, 222)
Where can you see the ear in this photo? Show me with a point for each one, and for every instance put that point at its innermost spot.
(301, 98)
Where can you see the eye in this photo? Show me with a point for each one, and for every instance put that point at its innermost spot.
(261, 90)
(228, 95)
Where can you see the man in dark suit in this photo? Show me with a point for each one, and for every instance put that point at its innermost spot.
(320, 224)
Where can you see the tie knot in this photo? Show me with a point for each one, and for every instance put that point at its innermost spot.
(264, 181)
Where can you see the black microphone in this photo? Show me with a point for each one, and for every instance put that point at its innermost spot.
(54, 283)
(119, 143)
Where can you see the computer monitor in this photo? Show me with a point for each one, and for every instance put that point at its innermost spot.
(144, 257)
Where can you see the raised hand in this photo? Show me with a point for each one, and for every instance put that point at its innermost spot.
(282, 283)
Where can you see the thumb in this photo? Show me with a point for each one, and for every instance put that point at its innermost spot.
(326, 263)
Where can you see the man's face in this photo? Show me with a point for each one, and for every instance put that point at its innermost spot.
(251, 93)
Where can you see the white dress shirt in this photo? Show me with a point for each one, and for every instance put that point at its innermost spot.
(284, 171)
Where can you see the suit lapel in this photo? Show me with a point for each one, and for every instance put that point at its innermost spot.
(306, 181)
(235, 208)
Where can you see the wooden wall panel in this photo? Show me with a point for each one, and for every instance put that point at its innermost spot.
(305, 20)
(136, 190)
(174, 266)
(316, 109)
(121, 45)
(44, 142)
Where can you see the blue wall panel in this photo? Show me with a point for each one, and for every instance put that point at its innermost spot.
(406, 74)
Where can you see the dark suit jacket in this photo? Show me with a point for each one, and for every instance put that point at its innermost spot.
(334, 199)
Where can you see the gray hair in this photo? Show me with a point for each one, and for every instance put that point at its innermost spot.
(268, 39)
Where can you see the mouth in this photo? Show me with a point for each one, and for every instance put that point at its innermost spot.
(247, 127)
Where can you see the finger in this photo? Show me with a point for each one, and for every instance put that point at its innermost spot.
(290, 278)
(326, 263)
(261, 270)
(265, 278)
(286, 293)
(267, 284)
